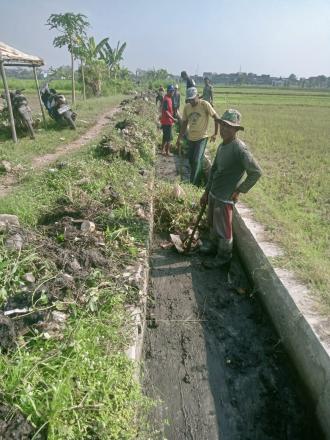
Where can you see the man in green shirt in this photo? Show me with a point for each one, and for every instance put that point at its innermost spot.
(208, 91)
(195, 120)
(226, 182)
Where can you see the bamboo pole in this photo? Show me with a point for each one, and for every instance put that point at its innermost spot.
(39, 97)
(10, 108)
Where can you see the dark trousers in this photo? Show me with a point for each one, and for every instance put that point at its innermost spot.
(196, 150)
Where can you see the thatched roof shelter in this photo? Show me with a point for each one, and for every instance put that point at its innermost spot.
(9, 56)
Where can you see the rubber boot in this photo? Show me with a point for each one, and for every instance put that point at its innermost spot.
(208, 248)
(223, 256)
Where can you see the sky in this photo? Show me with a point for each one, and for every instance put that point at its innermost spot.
(275, 37)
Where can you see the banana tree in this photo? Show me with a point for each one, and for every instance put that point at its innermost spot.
(92, 64)
(113, 57)
(89, 53)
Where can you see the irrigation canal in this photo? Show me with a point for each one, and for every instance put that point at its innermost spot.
(212, 359)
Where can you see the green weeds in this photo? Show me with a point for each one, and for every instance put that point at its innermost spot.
(82, 386)
(78, 383)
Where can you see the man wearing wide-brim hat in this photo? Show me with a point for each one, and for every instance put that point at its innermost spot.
(226, 181)
(195, 120)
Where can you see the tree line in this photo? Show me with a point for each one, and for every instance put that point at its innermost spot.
(98, 60)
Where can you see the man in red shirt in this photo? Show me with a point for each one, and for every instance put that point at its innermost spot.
(167, 120)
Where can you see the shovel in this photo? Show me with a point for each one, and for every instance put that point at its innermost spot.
(183, 247)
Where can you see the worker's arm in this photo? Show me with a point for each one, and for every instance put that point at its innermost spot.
(252, 169)
(168, 114)
(183, 129)
(216, 127)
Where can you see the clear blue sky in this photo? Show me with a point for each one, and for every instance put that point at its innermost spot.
(276, 37)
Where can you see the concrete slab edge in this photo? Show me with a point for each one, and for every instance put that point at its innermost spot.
(309, 354)
(138, 313)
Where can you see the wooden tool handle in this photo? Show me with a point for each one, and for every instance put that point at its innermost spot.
(200, 215)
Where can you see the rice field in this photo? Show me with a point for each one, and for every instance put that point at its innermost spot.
(288, 132)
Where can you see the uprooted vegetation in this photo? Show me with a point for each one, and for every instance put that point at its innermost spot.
(67, 283)
(175, 206)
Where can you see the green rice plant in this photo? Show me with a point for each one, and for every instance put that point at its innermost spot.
(287, 131)
(29, 84)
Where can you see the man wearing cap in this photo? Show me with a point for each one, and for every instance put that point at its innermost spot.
(226, 182)
(189, 81)
(195, 118)
(167, 120)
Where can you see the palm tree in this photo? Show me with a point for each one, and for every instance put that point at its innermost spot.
(72, 28)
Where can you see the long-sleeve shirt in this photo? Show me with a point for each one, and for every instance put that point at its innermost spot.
(190, 82)
(231, 162)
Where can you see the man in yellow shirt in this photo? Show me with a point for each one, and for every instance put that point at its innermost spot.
(195, 118)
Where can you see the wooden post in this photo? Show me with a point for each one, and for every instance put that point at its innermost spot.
(10, 108)
(72, 81)
(83, 78)
(39, 96)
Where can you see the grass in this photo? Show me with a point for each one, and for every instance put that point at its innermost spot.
(289, 135)
(82, 385)
(30, 85)
(48, 140)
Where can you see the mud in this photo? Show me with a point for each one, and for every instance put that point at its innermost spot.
(213, 361)
(7, 333)
(14, 426)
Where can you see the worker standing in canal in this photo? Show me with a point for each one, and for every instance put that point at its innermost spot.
(225, 183)
(167, 120)
(195, 119)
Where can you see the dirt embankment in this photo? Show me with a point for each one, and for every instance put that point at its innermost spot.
(212, 359)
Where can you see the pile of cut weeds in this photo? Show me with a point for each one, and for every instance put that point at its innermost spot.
(63, 318)
(176, 206)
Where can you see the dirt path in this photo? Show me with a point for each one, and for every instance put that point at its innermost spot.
(9, 181)
(212, 359)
